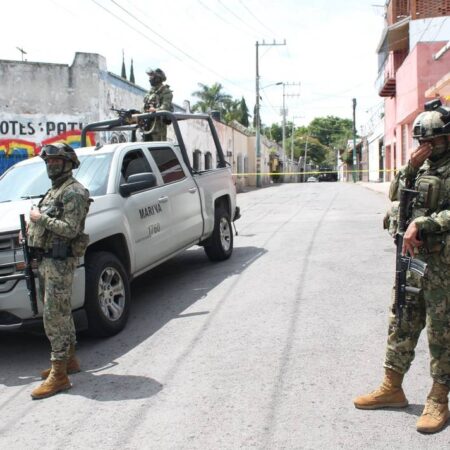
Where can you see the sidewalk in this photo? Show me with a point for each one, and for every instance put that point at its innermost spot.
(383, 188)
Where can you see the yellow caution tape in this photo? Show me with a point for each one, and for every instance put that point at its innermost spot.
(311, 172)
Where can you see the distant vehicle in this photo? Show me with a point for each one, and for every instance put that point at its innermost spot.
(312, 180)
(327, 174)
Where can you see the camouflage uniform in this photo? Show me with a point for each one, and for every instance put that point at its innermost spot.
(159, 97)
(64, 209)
(431, 213)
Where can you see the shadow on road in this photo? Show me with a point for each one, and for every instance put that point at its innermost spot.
(158, 297)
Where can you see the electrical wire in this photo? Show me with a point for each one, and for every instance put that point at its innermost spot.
(253, 15)
(137, 31)
(238, 18)
(223, 19)
(195, 60)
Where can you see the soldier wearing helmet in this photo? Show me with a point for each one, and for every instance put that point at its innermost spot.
(56, 235)
(427, 237)
(159, 98)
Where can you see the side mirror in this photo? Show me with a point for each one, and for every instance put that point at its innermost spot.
(137, 182)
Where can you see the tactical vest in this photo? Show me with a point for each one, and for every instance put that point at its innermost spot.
(51, 205)
(433, 185)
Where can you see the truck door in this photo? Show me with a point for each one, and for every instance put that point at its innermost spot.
(147, 214)
(183, 196)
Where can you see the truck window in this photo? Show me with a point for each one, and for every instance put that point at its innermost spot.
(168, 164)
(134, 162)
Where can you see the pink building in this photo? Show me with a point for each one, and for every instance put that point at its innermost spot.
(410, 63)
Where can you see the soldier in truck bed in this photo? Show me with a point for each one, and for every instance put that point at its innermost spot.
(159, 98)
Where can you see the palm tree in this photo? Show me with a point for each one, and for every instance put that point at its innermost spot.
(211, 98)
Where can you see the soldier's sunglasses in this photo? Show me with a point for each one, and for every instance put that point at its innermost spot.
(52, 150)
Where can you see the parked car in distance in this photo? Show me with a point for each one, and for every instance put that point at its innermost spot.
(312, 180)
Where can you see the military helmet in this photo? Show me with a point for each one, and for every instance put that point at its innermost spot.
(156, 72)
(60, 150)
(432, 123)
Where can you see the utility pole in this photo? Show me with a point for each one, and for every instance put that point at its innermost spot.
(284, 122)
(257, 114)
(292, 135)
(306, 154)
(354, 140)
(284, 112)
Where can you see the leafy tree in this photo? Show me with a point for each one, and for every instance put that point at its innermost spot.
(314, 149)
(275, 132)
(211, 98)
(331, 131)
(243, 113)
(231, 110)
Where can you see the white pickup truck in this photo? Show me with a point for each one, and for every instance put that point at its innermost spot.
(149, 205)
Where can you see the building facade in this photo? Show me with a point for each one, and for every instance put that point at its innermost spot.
(415, 32)
(41, 103)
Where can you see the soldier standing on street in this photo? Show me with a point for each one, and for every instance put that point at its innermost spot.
(56, 236)
(428, 239)
(158, 99)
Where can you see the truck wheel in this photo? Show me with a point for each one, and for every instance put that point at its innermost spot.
(108, 297)
(220, 245)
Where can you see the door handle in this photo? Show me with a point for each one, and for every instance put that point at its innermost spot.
(163, 199)
(192, 190)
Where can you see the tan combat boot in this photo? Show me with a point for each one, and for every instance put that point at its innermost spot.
(73, 364)
(389, 395)
(57, 381)
(435, 413)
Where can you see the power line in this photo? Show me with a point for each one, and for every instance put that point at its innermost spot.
(253, 15)
(173, 45)
(137, 31)
(164, 39)
(223, 19)
(230, 11)
(440, 28)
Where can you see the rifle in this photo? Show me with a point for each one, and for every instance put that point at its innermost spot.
(404, 263)
(29, 274)
(126, 115)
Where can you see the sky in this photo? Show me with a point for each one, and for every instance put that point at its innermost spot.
(329, 56)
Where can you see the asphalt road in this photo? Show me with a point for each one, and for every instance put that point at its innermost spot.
(265, 350)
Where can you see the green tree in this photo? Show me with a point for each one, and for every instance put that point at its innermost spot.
(314, 149)
(231, 110)
(274, 132)
(331, 131)
(211, 98)
(243, 113)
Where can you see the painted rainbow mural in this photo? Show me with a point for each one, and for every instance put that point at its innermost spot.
(15, 150)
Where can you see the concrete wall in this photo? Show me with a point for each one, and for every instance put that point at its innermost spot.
(428, 30)
(375, 147)
(41, 103)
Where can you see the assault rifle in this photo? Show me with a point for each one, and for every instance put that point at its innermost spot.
(28, 270)
(126, 115)
(404, 263)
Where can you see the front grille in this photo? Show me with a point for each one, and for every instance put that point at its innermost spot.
(9, 241)
(10, 254)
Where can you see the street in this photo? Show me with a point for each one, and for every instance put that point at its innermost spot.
(265, 350)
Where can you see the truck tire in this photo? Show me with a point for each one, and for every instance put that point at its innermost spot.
(107, 300)
(219, 246)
